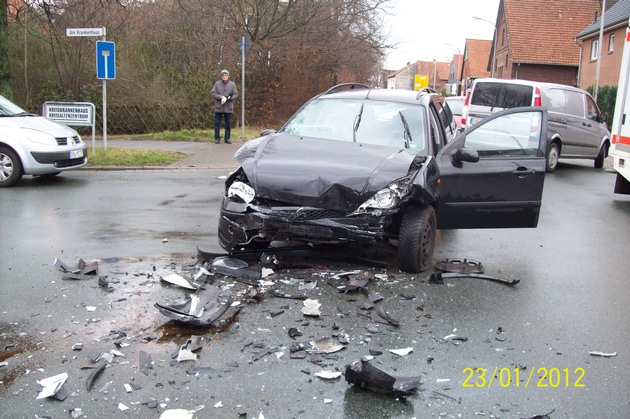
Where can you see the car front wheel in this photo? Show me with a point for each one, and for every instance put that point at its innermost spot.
(10, 167)
(416, 239)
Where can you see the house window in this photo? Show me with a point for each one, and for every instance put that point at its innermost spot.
(611, 42)
(594, 48)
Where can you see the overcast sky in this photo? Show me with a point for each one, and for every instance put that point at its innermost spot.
(435, 29)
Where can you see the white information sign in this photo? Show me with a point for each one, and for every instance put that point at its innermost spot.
(85, 31)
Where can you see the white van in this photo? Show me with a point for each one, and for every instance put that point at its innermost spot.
(576, 127)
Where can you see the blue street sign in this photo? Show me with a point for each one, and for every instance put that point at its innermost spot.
(105, 60)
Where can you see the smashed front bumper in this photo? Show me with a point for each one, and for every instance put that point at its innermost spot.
(243, 224)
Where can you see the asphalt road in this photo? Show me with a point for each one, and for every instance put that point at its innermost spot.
(518, 351)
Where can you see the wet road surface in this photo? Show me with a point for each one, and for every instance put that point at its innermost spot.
(518, 351)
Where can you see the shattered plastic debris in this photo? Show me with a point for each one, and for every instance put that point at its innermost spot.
(402, 351)
(94, 375)
(460, 266)
(328, 375)
(324, 345)
(603, 354)
(202, 308)
(178, 280)
(146, 363)
(51, 385)
(438, 278)
(236, 268)
(380, 310)
(311, 308)
(364, 375)
(453, 337)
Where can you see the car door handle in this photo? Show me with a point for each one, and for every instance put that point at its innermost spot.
(522, 172)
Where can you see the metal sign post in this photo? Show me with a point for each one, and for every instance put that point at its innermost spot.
(105, 65)
(105, 70)
(245, 43)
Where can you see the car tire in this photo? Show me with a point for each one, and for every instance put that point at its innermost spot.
(416, 239)
(10, 167)
(553, 154)
(601, 156)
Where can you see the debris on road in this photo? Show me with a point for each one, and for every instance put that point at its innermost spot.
(467, 266)
(438, 278)
(603, 354)
(202, 308)
(364, 375)
(311, 308)
(52, 386)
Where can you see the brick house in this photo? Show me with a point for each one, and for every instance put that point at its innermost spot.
(535, 39)
(454, 82)
(615, 24)
(437, 73)
(475, 61)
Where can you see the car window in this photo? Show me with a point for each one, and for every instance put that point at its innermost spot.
(362, 121)
(446, 119)
(436, 132)
(507, 136)
(456, 105)
(592, 111)
(501, 95)
(557, 100)
(575, 103)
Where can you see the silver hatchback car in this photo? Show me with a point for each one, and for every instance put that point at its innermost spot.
(34, 145)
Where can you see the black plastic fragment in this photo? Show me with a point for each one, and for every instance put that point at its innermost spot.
(438, 278)
(467, 266)
(367, 376)
(95, 374)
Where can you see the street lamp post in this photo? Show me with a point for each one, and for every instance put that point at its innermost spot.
(494, 44)
(434, 73)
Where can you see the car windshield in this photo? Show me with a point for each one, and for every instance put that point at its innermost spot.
(377, 122)
(8, 108)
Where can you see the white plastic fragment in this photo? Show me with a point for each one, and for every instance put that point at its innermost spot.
(90, 308)
(186, 355)
(51, 385)
(402, 351)
(311, 308)
(328, 401)
(178, 280)
(177, 414)
(603, 354)
(266, 272)
(128, 388)
(328, 375)
(218, 404)
(122, 407)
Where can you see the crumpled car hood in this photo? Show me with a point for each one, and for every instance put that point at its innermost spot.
(328, 174)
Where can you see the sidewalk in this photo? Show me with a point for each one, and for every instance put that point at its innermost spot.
(202, 155)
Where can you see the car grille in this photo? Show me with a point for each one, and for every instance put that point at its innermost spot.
(307, 213)
(64, 140)
(317, 213)
(69, 162)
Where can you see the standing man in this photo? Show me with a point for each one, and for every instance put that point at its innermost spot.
(224, 92)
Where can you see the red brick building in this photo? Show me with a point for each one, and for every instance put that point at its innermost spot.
(535, 39)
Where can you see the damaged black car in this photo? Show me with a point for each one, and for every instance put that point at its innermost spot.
(384, 167)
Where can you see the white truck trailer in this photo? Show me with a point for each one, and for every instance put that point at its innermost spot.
(620, 130)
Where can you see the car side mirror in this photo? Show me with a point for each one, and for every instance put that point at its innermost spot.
(603, 118)
(267, 131)
(466, 154)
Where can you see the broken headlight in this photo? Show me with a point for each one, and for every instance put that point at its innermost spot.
(242, 190)
(386, 198)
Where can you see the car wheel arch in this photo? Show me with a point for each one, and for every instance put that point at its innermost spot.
(16, 164)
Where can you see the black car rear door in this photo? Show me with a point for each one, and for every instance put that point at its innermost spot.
(503, 188)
